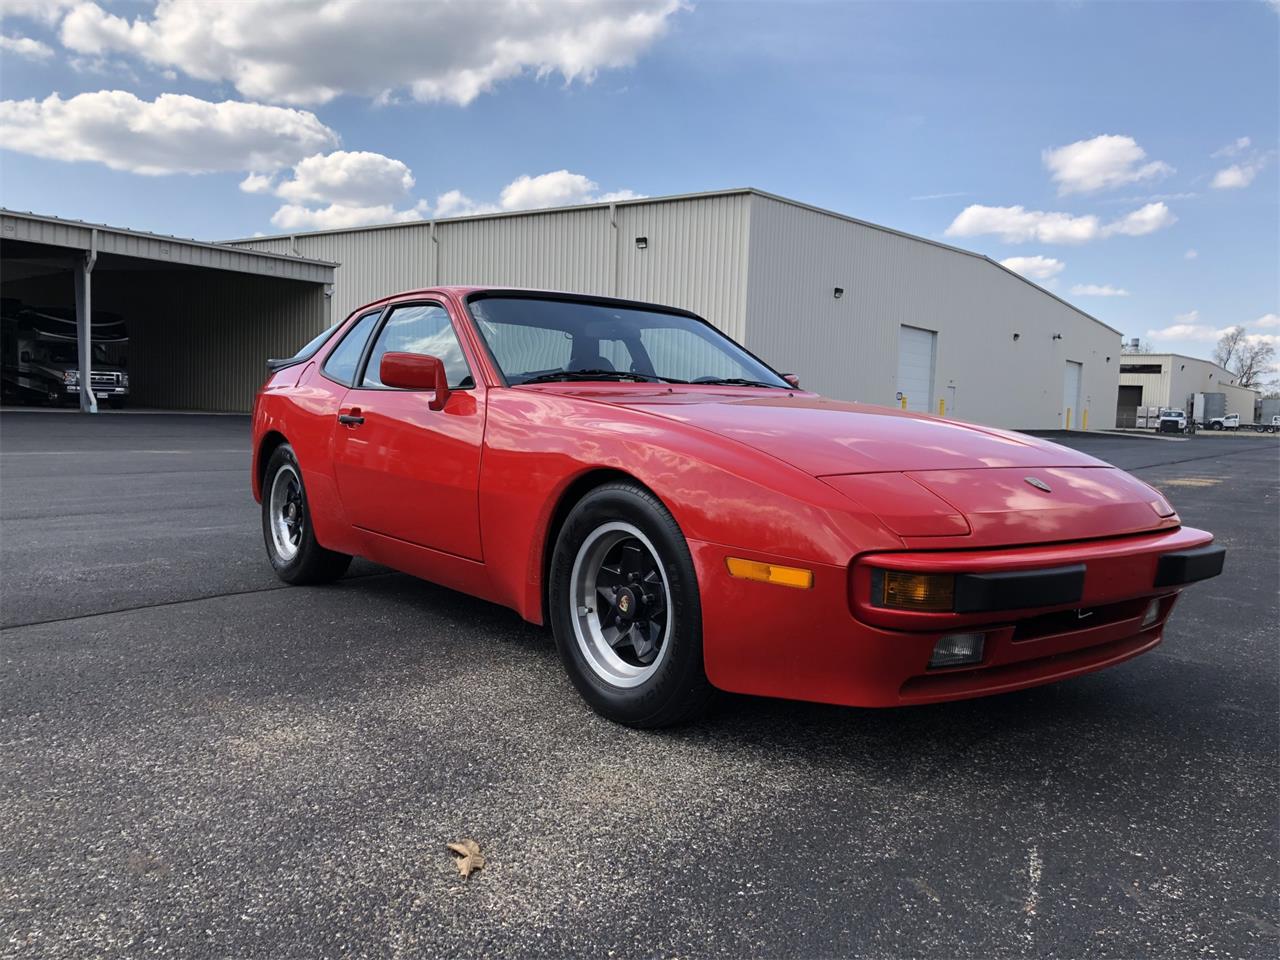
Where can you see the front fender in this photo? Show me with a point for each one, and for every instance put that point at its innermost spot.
(719, 490)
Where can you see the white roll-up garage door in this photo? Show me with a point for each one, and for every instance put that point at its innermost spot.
(916, 350)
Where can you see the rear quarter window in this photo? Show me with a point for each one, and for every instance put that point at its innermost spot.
(345, 357)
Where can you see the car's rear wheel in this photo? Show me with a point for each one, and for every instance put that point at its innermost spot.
(295, 555)
(625, 610)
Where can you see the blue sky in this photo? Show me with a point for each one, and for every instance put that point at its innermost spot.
(905, 114)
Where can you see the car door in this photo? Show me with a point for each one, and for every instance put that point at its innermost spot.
(404, 470)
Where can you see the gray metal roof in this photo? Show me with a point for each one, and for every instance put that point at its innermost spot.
(119, 241)
(695, 196)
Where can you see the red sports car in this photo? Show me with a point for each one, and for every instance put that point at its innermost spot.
(688, 519)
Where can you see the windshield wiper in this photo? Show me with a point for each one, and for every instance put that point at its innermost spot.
(599, 375)
(739, 382)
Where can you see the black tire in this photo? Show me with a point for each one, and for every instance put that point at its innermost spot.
(678, 691)
(311, 563)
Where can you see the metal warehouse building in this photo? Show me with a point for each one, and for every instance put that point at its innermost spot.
(1170, 380)
(859, 311)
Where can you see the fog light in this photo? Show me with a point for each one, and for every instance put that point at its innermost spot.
(957, 650)
(1152, 614)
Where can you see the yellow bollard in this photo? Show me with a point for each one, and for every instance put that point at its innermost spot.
(1068, 418)
(942, 406)
(904, 401)
(1084, 419)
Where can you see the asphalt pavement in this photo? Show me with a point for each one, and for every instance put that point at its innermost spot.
(196, 761)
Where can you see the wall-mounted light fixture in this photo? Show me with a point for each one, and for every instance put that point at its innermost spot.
(1108, 359)
(1017, 337)
(642, 243)
(1057, 336)
(838, 292)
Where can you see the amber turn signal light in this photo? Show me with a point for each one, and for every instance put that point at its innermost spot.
(796, 577)
(919, 592)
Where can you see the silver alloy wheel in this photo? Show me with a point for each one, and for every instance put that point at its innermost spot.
(286, 512)
(620, 605)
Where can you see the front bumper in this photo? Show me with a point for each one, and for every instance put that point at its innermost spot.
(824, 645)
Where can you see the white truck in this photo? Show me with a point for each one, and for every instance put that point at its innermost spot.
(1230, 422)
(1171, 420)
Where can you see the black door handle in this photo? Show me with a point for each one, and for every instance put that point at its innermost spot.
(349, 420)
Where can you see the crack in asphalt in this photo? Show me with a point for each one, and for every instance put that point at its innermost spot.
(179, 601)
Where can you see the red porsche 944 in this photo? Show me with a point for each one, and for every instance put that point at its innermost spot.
(686, 519)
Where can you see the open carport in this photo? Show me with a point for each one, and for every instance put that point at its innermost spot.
(201, 318)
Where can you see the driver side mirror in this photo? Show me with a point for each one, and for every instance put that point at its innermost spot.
(792, 379)
(415, 371)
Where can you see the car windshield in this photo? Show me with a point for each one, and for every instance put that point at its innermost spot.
(541, 340)
(1173, 413)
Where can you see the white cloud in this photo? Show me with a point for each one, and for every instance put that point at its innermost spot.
(1018, 225)
(1268, 320)
(1239, 145)
(366, 188)
(1098, 164)
(1035, 268)
(336, 216)
(1191, 254)
(174, 133)
(455, 203)
(257, 183)
(1187, 326)
(560, 188)
(941, 196)
(354, 179)
(1238, 175)
(1098, 290)
(310, 52)
(45, 11)
(1140, 222)
(26, 48)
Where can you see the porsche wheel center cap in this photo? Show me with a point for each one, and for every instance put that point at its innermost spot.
(626, 603)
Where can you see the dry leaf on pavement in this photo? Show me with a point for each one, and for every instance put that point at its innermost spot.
(466, 856)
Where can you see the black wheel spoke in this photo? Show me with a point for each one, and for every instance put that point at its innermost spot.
(632, 559)
(609, 576)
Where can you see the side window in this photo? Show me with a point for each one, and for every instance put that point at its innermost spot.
(345, 357)
(420, 328)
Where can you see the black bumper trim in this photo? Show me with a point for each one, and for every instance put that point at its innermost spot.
(1018, 590)
(1188, 566)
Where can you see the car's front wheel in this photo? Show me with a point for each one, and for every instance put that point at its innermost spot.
(295, 555)
(625, 609)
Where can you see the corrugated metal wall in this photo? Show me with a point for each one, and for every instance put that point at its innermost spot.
(848, 347)
(696, 255)
(198, 339)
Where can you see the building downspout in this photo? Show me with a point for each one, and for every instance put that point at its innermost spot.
(613, 223)
(84, 323)
(435, 256)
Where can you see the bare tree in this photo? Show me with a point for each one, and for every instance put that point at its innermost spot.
(1228, 348)
(1249, 358)
(1253, 361)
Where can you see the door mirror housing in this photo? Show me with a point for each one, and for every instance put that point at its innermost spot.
(792, 379)
(415, 371)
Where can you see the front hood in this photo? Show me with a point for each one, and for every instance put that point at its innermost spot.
(933, 482)
(825, 437)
